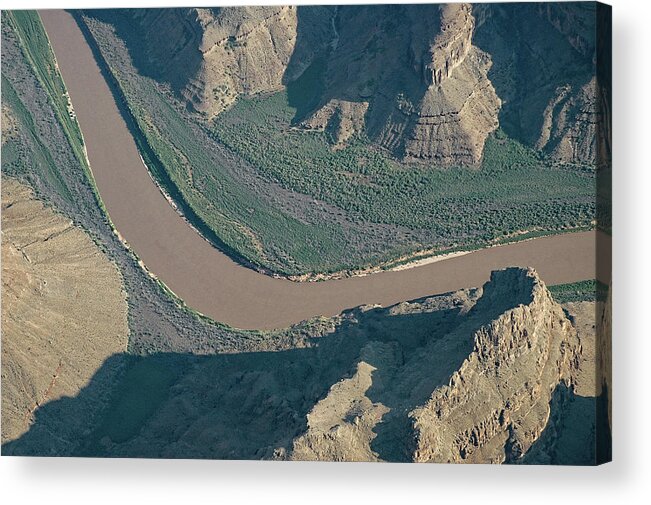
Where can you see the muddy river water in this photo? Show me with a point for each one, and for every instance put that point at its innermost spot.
(215, 285)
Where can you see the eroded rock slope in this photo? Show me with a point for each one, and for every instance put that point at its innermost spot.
(470, 376)
(545, 72)
(487, 408)
(210, 56)
(64, 312)
(427, 82)
(420, 86)
(497, 404)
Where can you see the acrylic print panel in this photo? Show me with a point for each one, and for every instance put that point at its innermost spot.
(335, 233)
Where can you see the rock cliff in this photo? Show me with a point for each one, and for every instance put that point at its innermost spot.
(341, 118)
(493, 407)
(422, 85)
(498, 402)
(416, 87)
(210, 56)
(451, 44)
(426, 82)
(478, 375)
(455, 116)
(570, 124)
(544, 71)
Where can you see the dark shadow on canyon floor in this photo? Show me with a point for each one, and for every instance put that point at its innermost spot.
(235, 406)
(576, 434)
(174, 69)
(252, 405)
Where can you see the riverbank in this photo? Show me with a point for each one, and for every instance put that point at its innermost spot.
(210, 282)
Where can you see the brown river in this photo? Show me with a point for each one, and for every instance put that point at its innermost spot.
(211, 282)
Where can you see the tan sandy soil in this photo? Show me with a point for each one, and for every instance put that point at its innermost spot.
(8, 124)
(64, 308)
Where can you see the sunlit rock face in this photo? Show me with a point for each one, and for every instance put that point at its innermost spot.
(427, 82)
(498, 403)
(490, 409)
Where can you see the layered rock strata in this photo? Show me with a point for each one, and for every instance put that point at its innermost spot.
(411, 78)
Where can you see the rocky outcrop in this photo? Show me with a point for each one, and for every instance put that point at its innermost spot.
(451, 45)
(575, 120)
(455, 117)
(417, 88)
(498, 402)
(459, 108)
(341, 118)
(424, 84)
(340, 427)
(544, 71)
(570, 130)
(57, 326)
(478, 375)
(490, 410)
(245, 50)
(210, 56)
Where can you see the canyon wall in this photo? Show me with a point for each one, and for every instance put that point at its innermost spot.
(428, 83)
(498, 402)
(491, 409)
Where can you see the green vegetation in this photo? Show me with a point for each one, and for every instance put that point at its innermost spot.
(37, 154)
(514, 190)
(36, 49)
(23, 158)
(584, 291)
(221, 207)
(281, 198)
